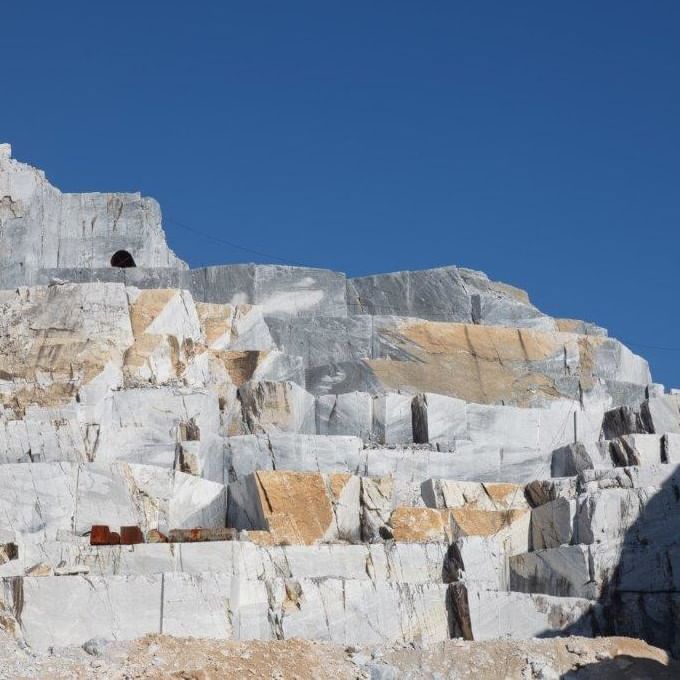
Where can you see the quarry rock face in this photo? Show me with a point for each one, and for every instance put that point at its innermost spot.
(256, 452)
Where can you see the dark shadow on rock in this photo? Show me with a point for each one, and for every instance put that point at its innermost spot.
(623, 667)
(641, 598)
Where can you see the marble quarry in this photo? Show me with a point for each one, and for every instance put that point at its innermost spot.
(265, 452)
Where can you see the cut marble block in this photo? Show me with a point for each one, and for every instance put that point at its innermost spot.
(479, 614)
(661, 414)
(553, 524)
(509, 527)
(593, 570)
(670, 447)
(360, 612)
(641, 516)
(569, 460)
(147, 425)
(345, 414)
(477, 559)
(543, 491)
(447, 493)
(562, 572)
(55, 611)
(295, 452)
(420, 525)
(633, 477)
(298, 507)
(38, 501)
(166, 499)
(392, 419)
(196, 605)
(637, 449)
(277, 407)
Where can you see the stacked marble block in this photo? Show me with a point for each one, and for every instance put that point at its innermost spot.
(358, 517)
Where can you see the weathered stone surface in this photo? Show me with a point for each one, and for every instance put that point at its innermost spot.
(377, 501)
(446, 293)
(670, 448)
(420, 525)
(569, 460)
(483, 364)
(234, 327)
(636, 449)
(620, 421)
(46, 227)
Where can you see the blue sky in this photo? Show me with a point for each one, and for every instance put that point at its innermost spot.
(537, 141)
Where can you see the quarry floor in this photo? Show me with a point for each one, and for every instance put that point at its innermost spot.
(188, 659)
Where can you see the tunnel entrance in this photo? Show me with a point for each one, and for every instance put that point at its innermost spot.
(122, 259)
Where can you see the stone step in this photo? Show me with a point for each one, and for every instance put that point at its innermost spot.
(590, 570)
(397, 562)
(481, 614)
(69, 610)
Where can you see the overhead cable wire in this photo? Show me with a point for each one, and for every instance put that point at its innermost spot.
(231, 244)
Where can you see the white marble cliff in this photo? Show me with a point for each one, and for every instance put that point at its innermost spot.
(261, 452)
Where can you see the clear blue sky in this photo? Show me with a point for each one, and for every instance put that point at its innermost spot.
(537, 141)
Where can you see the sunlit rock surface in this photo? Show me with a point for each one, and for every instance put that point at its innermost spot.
(269, 452)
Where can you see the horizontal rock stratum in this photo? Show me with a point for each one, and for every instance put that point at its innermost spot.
(270, 452)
